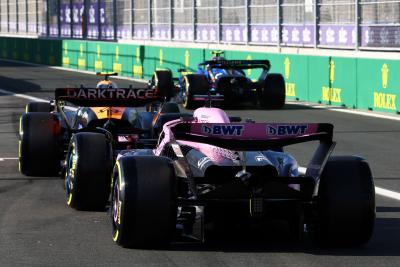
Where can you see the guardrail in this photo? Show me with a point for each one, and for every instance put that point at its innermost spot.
(361, 83)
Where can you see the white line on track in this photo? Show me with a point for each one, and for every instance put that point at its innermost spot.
(387, 193)
(22, 96)
(3, 159)
(378, 190)
(372, 114)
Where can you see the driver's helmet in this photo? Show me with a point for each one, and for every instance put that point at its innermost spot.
(106, 85)
(216, 58)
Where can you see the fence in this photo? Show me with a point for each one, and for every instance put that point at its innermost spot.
(348, 24)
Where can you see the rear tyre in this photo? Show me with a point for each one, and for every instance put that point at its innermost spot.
(39, 153)
(194, 84)
(273, 92)
(163, 80)
(38, 107)
(88, 171)
(346, 203)
(143, 201)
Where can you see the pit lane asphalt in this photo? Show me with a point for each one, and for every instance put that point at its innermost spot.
(36, 227)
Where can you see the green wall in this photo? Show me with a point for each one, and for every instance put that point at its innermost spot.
(362, 83)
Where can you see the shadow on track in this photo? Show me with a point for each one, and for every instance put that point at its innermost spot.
(385, 242)
(18, 85)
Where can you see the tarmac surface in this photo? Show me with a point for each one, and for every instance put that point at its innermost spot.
(38, 229)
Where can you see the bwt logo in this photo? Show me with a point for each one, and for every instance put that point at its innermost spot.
(286, 130)
(224, 130)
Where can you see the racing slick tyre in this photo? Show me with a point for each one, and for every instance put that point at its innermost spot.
(273, 92)
(195, 84)
(162, 79)
(39, 153)
(346, 203)
(143, 201)
(38, 107)
(88, 171)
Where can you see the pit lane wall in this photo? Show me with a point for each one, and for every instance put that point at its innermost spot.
(360, 83)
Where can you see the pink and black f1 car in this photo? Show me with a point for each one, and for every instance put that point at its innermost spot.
(237, 173)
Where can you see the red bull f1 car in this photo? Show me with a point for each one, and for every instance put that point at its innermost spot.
(236, 174)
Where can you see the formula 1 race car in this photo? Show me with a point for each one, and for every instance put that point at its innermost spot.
(236, 174)
(225, 81)
(79, 134)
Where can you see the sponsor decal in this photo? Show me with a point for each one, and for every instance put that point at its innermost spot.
(65, 61)
(187, 56)
(137, 70)
(385, 75)
(331, 94)
(204, 118)
(331, 71)
(226, 153)
(223, 130)
(286, 129)
(287, 67)
(98, 65)
(81, 63)
(385, 100)
(202, 162)
(260, 158)
(117, 67)
(110, 93)
(290, 87)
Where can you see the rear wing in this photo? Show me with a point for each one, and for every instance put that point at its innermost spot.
(97, 97)
(252, 136)
(262, 136)
(238, 64)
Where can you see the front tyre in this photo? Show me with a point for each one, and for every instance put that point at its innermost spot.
(143, 201)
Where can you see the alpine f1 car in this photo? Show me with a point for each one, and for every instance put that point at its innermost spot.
(238, 174)
(79, 134)
(225, 81)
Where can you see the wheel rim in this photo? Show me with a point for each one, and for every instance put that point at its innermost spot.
(116, 204)
(185, 96)
(70, 175)
(116, 209)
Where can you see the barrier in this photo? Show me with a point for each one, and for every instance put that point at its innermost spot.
(362, 83)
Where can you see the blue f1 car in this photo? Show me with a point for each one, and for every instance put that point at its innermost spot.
(225, 81)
